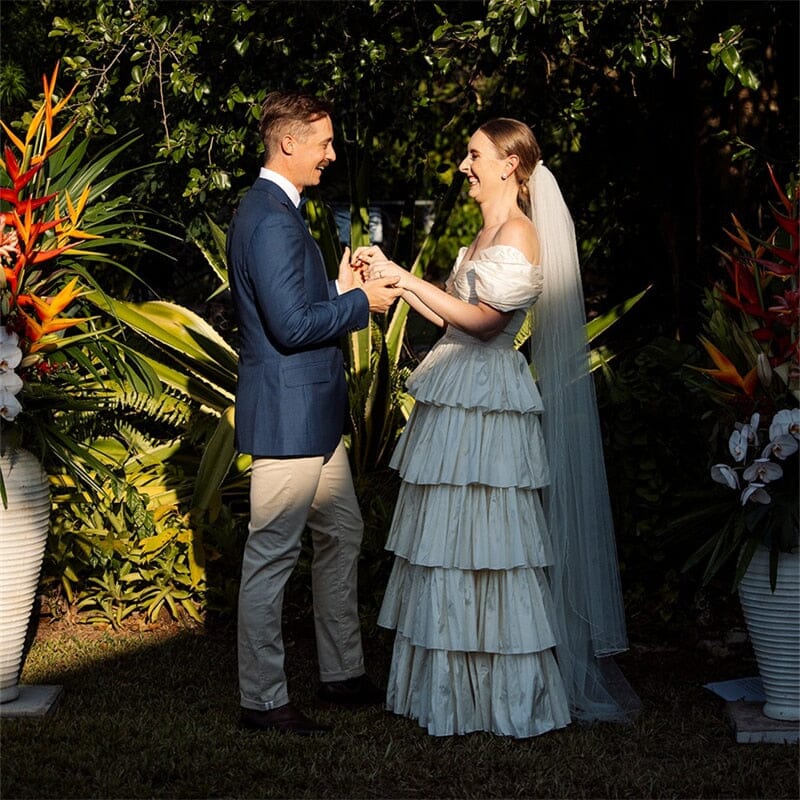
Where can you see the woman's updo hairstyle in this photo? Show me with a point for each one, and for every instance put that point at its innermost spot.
(514, 138)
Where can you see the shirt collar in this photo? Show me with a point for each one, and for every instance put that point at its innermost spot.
(284, 183)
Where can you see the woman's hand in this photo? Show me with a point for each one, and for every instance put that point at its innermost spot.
(375, 266)
(381, 270)
(367, 255)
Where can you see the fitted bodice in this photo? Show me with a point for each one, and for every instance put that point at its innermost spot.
(501, 277)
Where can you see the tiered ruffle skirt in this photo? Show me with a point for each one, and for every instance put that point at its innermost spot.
(468, 595)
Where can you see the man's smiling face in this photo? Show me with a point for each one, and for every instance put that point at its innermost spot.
(312, 152)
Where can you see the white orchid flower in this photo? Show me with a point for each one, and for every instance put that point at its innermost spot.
(786, 421)
(10, 354)
(9, 405)
(722, 473)
(752, 429)
(737, 444)
(756, 493)
(763, 471)
(8, 336)
(10, 382)
(746, 433)
(781, 447)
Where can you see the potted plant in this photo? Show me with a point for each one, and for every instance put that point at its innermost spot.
(57, 358)
(752, 338)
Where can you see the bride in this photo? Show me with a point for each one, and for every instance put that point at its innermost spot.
(504, 592)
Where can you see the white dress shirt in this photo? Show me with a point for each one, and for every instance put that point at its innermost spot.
(284, 183)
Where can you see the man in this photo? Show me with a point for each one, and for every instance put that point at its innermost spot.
(291, 404)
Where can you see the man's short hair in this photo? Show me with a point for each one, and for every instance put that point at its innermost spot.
(288, 113)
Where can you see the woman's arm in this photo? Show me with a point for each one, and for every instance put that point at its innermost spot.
(422, 309)
(481, 320)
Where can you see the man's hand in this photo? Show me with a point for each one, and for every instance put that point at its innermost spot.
(349, 274)
(381, 293)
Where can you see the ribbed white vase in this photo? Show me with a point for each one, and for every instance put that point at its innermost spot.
(23, 535)
(773, 622)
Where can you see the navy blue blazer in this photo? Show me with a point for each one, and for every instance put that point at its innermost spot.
(291, 396)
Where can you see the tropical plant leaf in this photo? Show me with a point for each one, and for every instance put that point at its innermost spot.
(218, 457)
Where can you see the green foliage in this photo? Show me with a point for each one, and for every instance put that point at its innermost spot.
(194, 360)
(605, 86)
(115, 438)
(641, 109)
(726, 57)
(13, 87)
(132, 546)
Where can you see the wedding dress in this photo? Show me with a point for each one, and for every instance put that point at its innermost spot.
(469, 595)
(505, 591)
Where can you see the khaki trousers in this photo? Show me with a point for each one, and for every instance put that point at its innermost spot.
(286, 494)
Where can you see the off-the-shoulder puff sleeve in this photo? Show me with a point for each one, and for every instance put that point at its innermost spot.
(505, 280)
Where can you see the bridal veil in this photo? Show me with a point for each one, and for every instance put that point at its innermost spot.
(585, 576)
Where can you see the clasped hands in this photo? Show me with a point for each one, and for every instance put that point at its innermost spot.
(370, 270)
(373, 265)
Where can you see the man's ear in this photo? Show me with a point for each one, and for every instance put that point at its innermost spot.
(287, 144)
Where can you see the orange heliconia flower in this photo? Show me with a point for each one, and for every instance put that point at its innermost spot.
(726, 372)
(47, 310)
(44, 115)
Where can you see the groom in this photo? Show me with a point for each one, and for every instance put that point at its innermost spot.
(291, 404)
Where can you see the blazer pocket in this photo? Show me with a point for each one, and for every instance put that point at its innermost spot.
(304, 374)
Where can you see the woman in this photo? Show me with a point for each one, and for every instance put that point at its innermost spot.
(501, 606)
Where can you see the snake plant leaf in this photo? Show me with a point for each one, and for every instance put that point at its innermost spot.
(196, 555)
(217, 459)
(324, 231)
(397, 324)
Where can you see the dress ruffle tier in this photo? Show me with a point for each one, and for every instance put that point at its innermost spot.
(468, 594)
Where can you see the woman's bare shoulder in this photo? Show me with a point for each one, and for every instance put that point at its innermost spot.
(519, 232)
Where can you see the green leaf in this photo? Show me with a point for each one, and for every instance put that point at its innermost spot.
(602, 323)
(217, 459)
(189, 339)
(153, 544)
(731, 59)
(748, 78)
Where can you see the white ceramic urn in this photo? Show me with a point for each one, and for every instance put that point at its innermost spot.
(773, 622)
(24, 522)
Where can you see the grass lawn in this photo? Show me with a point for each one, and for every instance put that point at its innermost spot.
(153, 714)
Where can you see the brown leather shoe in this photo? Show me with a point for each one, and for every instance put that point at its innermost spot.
(359, 691)
(286, 719)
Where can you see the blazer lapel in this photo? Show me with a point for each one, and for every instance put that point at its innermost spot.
(262, 184)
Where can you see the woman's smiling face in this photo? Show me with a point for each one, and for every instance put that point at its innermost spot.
(482, 165)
